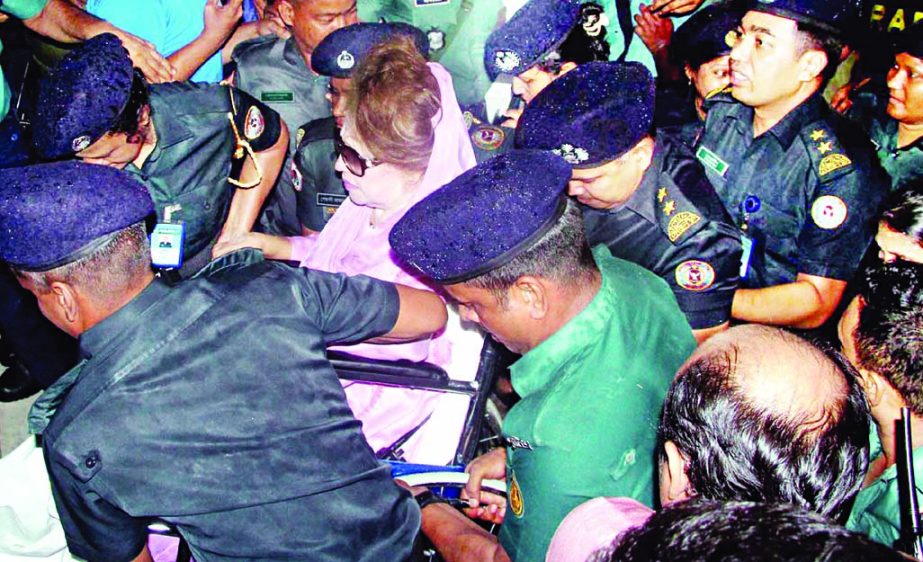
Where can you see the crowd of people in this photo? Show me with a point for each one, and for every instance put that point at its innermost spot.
(697, 223)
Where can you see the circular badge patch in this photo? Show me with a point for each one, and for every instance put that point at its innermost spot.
(297, 180)
(80, 143)
(829, 212)
(255, 124)
(346, 60)
(488, 137)
(436, 39)
(516, 504)
(695, 275)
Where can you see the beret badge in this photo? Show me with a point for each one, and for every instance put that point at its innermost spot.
(507, 61)
(80, 143)
(572, 154)
(346, 60)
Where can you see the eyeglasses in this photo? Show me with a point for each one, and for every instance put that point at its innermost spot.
(355, 162)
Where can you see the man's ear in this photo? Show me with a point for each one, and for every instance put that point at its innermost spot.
(811, 64)
(643, 152)
(286, 12)
(65, 299)
(531, 292)
(674, 482)
(873, 385)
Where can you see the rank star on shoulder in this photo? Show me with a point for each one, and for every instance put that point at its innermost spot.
(818, 134)
(825, 147)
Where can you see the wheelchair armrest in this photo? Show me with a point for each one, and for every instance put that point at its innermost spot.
(393, 373)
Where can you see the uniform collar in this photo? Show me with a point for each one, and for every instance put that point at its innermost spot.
(542, 365)
(100, 336)
(642, 200)
(786, 130)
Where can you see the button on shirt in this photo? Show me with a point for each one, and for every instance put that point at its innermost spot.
(591, 395)
(675, 226)
(903, 164)
(806, 192)
(246, 444)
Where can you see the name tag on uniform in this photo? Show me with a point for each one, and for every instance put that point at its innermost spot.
(330, 199)
(277, 97)
(712, 161)
(167, 245)
(421, 3)
(747, 244)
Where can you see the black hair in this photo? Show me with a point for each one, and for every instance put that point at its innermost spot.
(743, 531)
(581, 45)
(889, 335)
(562, 254)
(810, 37)
(737, 450)
(129, 121)
(904, 211)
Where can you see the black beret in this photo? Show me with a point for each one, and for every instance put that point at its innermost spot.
(910, 41)
(83, 97)
(54, 214)
(591, 115)
(342, 50)
(707, 35)
(485, 217)
(832, 16)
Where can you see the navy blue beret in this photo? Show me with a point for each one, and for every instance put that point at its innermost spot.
(341, 51)
(485, 217)
(83, 97)
(910, 41)
(591, 115)
(54, 214)
(832, 16)
(707, 35)
(538, 28)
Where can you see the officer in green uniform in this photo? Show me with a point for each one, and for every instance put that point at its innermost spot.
(892, 119)
(209, 154)
(278, 73)
(644, 196)
(601, 339)
(801, 183)
(317, 185)
(456, 31)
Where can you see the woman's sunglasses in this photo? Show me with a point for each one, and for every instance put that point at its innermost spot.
(355, 163)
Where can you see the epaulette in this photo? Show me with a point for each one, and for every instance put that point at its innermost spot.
(247, 47)
(316, 130)
(828, 156)
(678, 219)
(717, 96)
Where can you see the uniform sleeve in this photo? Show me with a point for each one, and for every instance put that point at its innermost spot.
(94, 528)
(256, 122)
(23, 9)
(842, 218)
(349, 309)
(706, 276)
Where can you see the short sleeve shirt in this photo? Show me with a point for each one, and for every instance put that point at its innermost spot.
(675, 226)
(245, 443)
(806, 193)
(22, 9)
(903, 164)
(591, 395)
(317, 186)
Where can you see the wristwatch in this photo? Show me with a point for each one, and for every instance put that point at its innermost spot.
(426, 498)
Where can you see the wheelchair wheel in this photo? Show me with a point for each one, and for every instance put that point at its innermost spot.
(448, 485)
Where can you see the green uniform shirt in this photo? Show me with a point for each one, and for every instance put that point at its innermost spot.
(457, 31)
(876, 511)
(591, 396)
(902, 164)
(22, 9)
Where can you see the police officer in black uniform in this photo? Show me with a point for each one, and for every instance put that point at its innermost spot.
(802, 185)
(644, 196)
(317, 186)
(209, 154)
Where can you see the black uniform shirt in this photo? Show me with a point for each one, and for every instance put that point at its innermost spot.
(675, 226)
(212, 405)
(317, 186)
(806, 192)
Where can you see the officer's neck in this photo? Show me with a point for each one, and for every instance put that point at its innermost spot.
(908, 133)
(147, 146)
(767, 116)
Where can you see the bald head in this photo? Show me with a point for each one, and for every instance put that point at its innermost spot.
(763, 415)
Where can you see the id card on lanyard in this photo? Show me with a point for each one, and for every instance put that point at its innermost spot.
(167, 241)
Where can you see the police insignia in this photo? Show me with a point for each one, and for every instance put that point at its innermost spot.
(818, 134)
(255, 124)
(695, 275)
(517, 506)
(436, 39)
(833, 162)
(80, 143)
(824, 147)
(731, 38)
(571, 153)
(488, 137)
(506, 61)
(829, 212)
(346, 60)
(680, 223)
(297, 180)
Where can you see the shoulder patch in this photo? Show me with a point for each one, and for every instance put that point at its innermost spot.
(255, 123)
(318, 130)
(833, 162)
(829, 212)
(825, 151)
(487, 137)
(695, 275)
(680, 223)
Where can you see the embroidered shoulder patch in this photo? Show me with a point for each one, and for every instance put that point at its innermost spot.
(255, 123)
(833, 162)
(680, 223)
(695, 275)
(829, 212)
(487, 137)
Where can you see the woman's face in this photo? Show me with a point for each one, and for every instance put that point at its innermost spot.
(894, 245)
(712, 75)
(383, 186)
